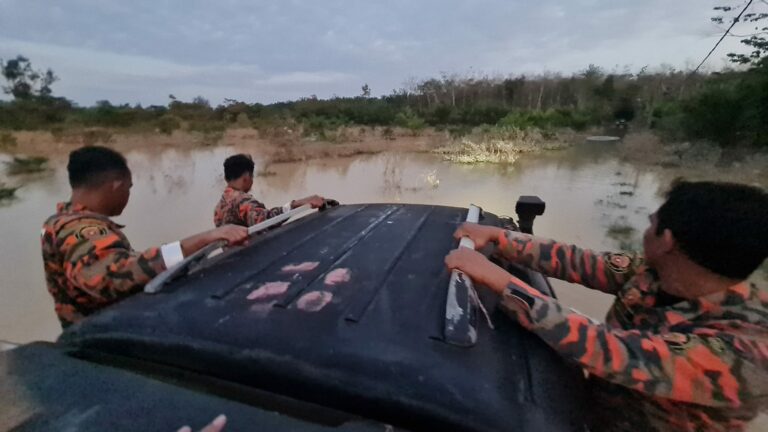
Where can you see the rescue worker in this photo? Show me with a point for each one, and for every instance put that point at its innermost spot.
(685, 345)
(89, 263)
(237, 206)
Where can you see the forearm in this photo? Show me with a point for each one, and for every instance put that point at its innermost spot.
(255, 215)
(639, 360)
(194, 243)
(561, 261)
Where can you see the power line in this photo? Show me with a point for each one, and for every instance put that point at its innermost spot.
(737, 19)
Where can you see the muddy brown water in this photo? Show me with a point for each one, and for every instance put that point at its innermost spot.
(593, 200)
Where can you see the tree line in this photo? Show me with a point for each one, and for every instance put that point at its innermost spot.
(728, 107)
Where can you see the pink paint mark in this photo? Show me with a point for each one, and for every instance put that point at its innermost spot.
(299, 268)
(314, 301)
(337, 276)
(269, 289)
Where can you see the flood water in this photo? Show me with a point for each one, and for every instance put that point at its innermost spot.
(593, 200)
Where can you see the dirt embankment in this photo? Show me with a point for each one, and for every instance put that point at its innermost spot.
(286, 146)
(699, 161)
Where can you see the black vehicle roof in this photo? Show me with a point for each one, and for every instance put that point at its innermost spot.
(376, 349)
(42, 389)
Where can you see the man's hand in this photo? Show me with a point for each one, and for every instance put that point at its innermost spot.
(480, 234)
(478, 268)
(217, 425)
(232, 234)
(315, 201)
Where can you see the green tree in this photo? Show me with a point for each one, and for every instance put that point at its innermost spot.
(24, 82)
(756, 17)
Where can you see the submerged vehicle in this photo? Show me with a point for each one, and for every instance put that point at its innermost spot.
(335, 322)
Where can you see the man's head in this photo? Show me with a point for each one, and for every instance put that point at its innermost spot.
(722, 227)
(238, 171)
(101, 173)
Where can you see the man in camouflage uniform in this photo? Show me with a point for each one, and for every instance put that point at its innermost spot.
(239, 207)
(685, 344)
(89, 263)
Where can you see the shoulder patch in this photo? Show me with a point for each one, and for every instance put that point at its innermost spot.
(717, 344)
(618, 262)
(677, 341)
(91, 231)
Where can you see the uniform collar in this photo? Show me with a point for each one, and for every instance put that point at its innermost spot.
(723, 305)
(229, 190)
(68, 209)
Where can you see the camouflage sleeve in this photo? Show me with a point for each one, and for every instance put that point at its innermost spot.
(703, 369)
(100, 262)
(252, 211)
(603, 271)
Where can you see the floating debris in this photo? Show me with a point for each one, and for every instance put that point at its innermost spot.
(603, 138)
(620, 230)
(431, 179)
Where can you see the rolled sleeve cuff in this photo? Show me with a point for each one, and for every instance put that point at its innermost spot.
(172, 254)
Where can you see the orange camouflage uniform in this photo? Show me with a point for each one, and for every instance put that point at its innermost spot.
(659, 362)
(241, 208)
(89, 263)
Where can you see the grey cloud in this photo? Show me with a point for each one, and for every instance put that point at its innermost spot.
(139, 51)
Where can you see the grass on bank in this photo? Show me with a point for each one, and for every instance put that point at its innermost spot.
(500, 144)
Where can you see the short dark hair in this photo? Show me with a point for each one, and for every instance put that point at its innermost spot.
(722, 227)
(93, 165)
(237, 165)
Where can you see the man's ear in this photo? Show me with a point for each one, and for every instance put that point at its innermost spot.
(668, 241)
(116, 184)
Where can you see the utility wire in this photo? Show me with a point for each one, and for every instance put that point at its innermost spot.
(737, 19)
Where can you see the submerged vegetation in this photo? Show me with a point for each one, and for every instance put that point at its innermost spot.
(27, 165)
(7, 192)
(499, 144)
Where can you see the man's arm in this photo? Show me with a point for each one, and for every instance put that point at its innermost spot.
(251, 211)
(703, 369)
(603, 271)
(101, 263)
(699, 369)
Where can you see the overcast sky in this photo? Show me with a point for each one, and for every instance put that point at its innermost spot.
(138, 51)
